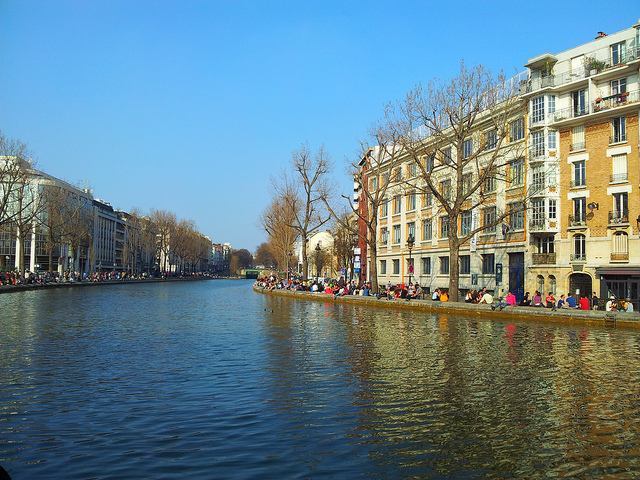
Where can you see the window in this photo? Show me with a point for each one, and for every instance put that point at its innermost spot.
(490, 184)
(447, 159)
(397, 175)
(445, 189)
(384, 208)
(467, 148)
(579, 173)
(516, 216)
(553, 210)
(579, 210)
(465, 223)
(537, 109)
(540, 283)
(579, 102)
(545, 244)
(411, 230)
(618, 86)
(467, 179)
(579, 247)
(427, 199)
(553, 284)
(426, 265)
(552, 140)
(465, 264)
(489, 219)
(577, 138)
(383, 267)
(491, 139)
(538, 176)
(396, 234)
(413, 170)
(488, 263)
(618, 129)
(396, 266)
(411, 201)
(537, 211)
(373, 184)
(617, 53)
(537, 144)
(444, 227)
(551, 103)
(384, 235)
(427, 229)
(429, 163)
(516, 172)
(619, 168)
(397, 204)
(444, 265)
(621, 207)
(620, 243)
(517, 129)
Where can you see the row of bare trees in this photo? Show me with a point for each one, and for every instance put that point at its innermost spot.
(453, 141)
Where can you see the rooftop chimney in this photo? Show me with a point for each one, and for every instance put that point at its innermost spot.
(601, 35)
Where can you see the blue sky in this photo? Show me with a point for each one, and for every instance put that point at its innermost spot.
(192, 106)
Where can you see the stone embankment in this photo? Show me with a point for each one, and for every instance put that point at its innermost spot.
(22, 288)
(569, 317)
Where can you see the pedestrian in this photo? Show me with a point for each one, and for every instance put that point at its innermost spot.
(436, 295)
(584, 302)
(611, 304)
(571, 301)
(595, 301)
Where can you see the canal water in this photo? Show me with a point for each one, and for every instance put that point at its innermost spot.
(211, 380)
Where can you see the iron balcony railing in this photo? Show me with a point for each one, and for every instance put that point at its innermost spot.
(578, 257)
(537, 224)
(619, 177)
(619, 256)
(570, 112)
(617, 218)
(544, 258)
(537, 153)
(595, 62)
(577, 220)
(616, 100)
(577, 146)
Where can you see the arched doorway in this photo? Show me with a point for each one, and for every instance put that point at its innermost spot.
(581, 283)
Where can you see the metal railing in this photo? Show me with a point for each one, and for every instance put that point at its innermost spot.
(619, 177)
(596, 62)
(538, 152)
(537, 224)
(544, 258)
(616, 100)
(578, 257)
(577, 220)
(577, 146)
(617, 218)
(570, 112)
(619, 256)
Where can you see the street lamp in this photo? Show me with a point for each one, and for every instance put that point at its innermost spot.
(317, 258)
(410, 243)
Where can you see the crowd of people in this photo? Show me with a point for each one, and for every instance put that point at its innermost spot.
(15, 278)
(411, 291)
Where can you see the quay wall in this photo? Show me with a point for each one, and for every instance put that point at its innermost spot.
(537, 314)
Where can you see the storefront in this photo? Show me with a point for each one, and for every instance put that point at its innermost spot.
(621, 282)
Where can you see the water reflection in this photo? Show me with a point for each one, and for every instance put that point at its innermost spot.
(202, 380)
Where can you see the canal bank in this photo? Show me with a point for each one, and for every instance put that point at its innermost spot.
(22, 288)
(570, 317)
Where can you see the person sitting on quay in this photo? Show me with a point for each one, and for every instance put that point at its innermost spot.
(584, 302)
(435, 296)
(487, 298)
(595, 301)
(628, 306)
(510, 299)
(470, 297)
(537, 299)
(611, 305)
(571, 302)
(444, 296)
(551, 301)
(561, 302)
(526, 300)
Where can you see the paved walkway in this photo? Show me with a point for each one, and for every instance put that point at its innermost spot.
(21, 288)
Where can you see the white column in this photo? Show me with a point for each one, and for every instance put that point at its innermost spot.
(18, 248)
(32, 253)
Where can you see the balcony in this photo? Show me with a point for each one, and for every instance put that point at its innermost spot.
(544, 258)
(618, 218)
(577, 221)
(537, 153)
(619, 256)
(619, 178)
(570, 112)
(537, 224)
(578, 257)
(616, 100)
(577, 146)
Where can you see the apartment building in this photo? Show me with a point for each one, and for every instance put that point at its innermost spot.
(583, 111)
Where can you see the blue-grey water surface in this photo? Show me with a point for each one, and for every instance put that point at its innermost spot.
(211, 380)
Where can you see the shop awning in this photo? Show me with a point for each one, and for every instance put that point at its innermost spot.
(626, 270)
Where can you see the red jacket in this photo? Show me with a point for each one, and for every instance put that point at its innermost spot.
(584, 303)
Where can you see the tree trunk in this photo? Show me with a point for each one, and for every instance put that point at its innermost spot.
(50, 255)
(454, 268)
(305, 259)
(373, 264)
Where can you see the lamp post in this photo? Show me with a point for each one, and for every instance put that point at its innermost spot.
(410, 243)
(318, 249)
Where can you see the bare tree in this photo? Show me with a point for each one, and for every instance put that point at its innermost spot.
(278, 220)
(13, 172)
(458, 135)
(345, 239)
(164, 223)
(305, 195)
